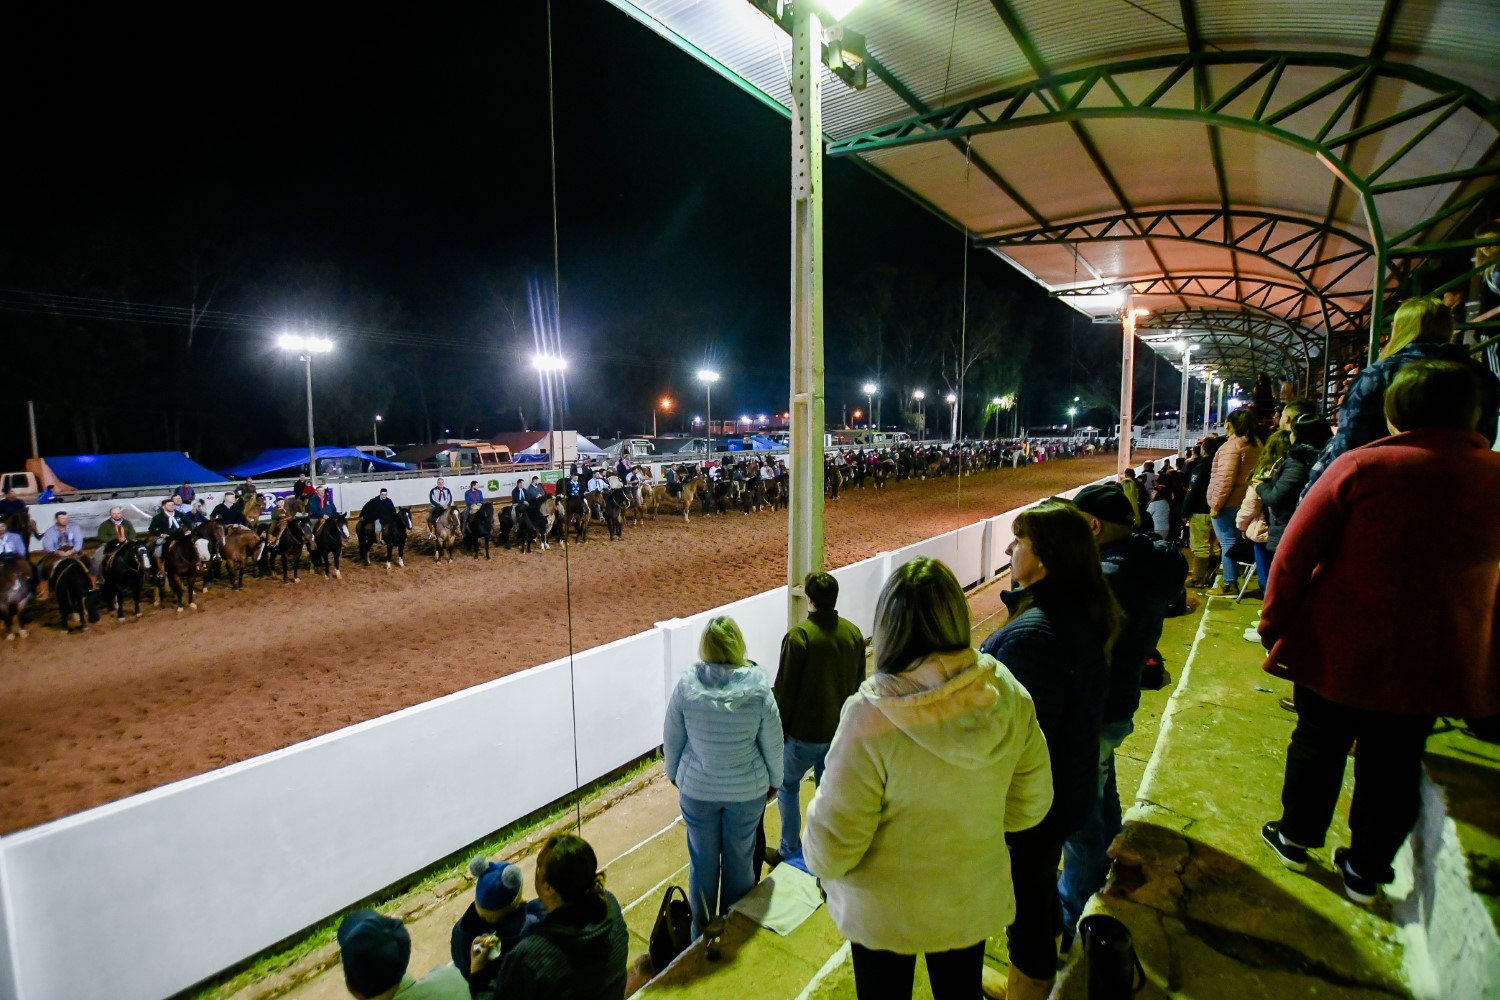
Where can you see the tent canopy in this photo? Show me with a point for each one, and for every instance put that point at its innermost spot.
(278, 459)
(142, 468)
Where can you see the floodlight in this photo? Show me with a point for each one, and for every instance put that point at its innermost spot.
(308, 345)
(995, 401)
(919, 395)
(707, 375)
(870, 388)
(549, 363)
(838, 9)
(951, 398)
(1072, 411)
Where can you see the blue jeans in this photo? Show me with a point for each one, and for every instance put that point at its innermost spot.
(721, 845)
(1228, 535)
(1262, 564)
(1085, 866)
(796, 757)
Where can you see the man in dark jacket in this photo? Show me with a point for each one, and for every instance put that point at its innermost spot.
(822, 665)
(378, 511)
(226, 511)
(375, 950)
(1145, 574)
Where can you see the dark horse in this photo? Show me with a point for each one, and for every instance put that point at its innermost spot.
(68, 577)
(17, 587)
(183, 557)
(126, 569)
(478, 525)
(576, 512)
(296, 536)
(328, 546)
(393, 536)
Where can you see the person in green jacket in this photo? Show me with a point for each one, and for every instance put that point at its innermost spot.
(822, 665)
(113, 532)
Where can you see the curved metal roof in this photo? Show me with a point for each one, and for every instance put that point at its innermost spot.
(1232, 162)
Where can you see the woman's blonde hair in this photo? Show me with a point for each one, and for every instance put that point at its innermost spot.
(722, 642)
(1277, 446)
(921, 610)
(1420, 320)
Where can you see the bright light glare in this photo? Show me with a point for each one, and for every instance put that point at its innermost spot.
(838, 9)
(549, 363)
(744, 419)
(1140, 312)
(919, 395)
(378, 418)
(666, 403)
(870, 388)
(1072, 411)
(762, 418)
(1230, 405)
(1007, 401)
(951, 398)
(707, 375)
(297, 342)
(995, 401)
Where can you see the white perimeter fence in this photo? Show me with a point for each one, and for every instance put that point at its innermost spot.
(144, 897)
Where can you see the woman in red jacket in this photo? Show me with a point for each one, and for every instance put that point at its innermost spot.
(1384, 617)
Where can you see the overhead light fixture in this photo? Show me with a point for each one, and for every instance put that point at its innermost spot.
(843, 48)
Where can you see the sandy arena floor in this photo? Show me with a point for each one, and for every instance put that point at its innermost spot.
(96, 716)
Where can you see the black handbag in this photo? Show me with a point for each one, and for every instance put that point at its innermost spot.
(1114, 971)
(673, 930)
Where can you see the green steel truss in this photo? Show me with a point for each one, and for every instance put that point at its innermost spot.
(1239, 344)
(1285, 241)
(1269, 297)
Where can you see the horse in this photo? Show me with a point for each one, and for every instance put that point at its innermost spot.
(531, 526)
(68, 578)
(17, 587)
(126, 569)
(250, 507)
(295, 536)
(615, 504)
(328, 546)
(241, 549)
(445, 534)
(478, 525)
(690, 491)
(183, 557)
(577, 511)
(20, 523)
(392, 536)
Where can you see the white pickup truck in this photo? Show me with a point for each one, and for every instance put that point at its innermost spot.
(24, 483)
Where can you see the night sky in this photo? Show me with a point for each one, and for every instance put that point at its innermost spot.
(387, 181)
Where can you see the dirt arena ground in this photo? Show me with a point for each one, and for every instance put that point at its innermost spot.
(96, 716)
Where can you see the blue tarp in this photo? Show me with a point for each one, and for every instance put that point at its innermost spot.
(278, 459)
(142, 468)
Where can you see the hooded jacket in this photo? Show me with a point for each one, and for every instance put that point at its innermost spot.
(1145, 574)
(1233, 463)
(928, 771)
(722, 738)
(1051, 649)
(578, 952)
(1281, 492)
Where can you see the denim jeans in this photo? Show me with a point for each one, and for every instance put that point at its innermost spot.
(1085, 865)
(721, 845)
(1228, 534)
(1262, 564)
(796, 757)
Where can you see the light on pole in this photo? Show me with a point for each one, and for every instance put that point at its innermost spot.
(869, 389)
(376, 430)
(952, 401)
(995, 405)
(1072, 412)
(708, 377)
(1006, 402)
(549, 367)
(306, 347)
(920, 396)
(665, 405)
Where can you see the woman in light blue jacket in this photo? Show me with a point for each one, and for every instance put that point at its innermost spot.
(722, 744)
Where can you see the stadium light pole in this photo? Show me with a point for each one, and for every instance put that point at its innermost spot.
(708, 377)
(306, 347)
(549, 367)
(1072, 413)
(869, 389)
(952, 400)
(375, 430)
(920, 396)
(1208, 402)
(1182, 405)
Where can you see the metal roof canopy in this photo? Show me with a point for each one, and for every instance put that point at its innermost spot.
(1253, 172)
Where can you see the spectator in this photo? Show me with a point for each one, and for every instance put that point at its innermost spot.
(1251, 521)
(375, 951)
(1281, 491)
(937, 753)
(500, 909)
(1373, 658)
(1064, 622)
(62, 538)
(1133, 494)
(1226, 488)
(1420, 331)
(1293, 409)
(1201, 545)
(580, 949)
(723, 751)
(1160, 509)
(47, 495)
(1145, 576)
(11, 504)
(184, 494)
(822, 665)
(1149, 478)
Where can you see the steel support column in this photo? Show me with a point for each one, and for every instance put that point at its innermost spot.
(1208, 403)
(805, 535)
(1127, 380)
(312, 452)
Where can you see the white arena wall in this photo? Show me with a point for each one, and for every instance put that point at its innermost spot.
(161, 890)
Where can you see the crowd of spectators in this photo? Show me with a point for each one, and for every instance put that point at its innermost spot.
(959, 793)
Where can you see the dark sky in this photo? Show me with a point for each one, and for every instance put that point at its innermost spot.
(392, 174)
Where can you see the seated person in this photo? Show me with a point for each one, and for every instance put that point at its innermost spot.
(63, 538)
(375, 951)
(12, 504)
(579, 949)
(226, 511)
(11, 543)
(597, 484)
(473, 496)
(518, 495)
(674, 487)
(114, 532)
(501, 910)
(575, 488)
(378, 511)
(280, 518)
(536, 492)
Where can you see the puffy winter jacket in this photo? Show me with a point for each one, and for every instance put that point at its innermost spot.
(1282, 491)
(1146, 574)
(722, 739)
(1233, 463)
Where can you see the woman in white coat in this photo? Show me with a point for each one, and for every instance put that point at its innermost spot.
(936, 757)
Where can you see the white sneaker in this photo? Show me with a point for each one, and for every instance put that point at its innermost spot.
(1252, 634)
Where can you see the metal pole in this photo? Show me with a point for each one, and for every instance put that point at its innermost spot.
(312, 460)
(805, 534)
(1222, 384)
(1127, 381)
(31, 416)
(708, 447)
(375, 432)
(1208, 403)
(1182, 404)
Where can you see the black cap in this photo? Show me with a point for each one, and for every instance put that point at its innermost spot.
(1107, 502)
(375, 950)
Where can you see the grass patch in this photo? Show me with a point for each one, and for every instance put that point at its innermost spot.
(288, 952)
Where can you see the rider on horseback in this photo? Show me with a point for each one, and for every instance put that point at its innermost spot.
(167, 523)
(114, 532)
(473, 496)
(378, 512)
(674, 486)
(280, 518)
(441, 499)
(62, 538)
(11, 505)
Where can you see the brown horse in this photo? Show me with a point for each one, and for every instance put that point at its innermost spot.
(242, 548)
(20, 523)
(447, 534)
(692, 490)
(250, 508)
(17, 588)
(68, 579)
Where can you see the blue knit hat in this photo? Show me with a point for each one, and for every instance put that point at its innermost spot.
(375, 950)
(498, 885)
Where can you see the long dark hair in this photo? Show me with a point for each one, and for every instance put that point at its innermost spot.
(921, 610)
(571, 868)
(1065, 544)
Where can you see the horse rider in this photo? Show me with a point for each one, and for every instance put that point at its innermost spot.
(184, 494)
(518, 495)
(14, 544)
(167, 523)
(674, 488)
(245, 489)
(280, 518)
(114, 532)
(473, 496)
(441, 499)
(227, 512)
(575, 485)
(12, 504)
(536, 492)
(379, 511)
(317, 510)
(597, 484)
(62, 539)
